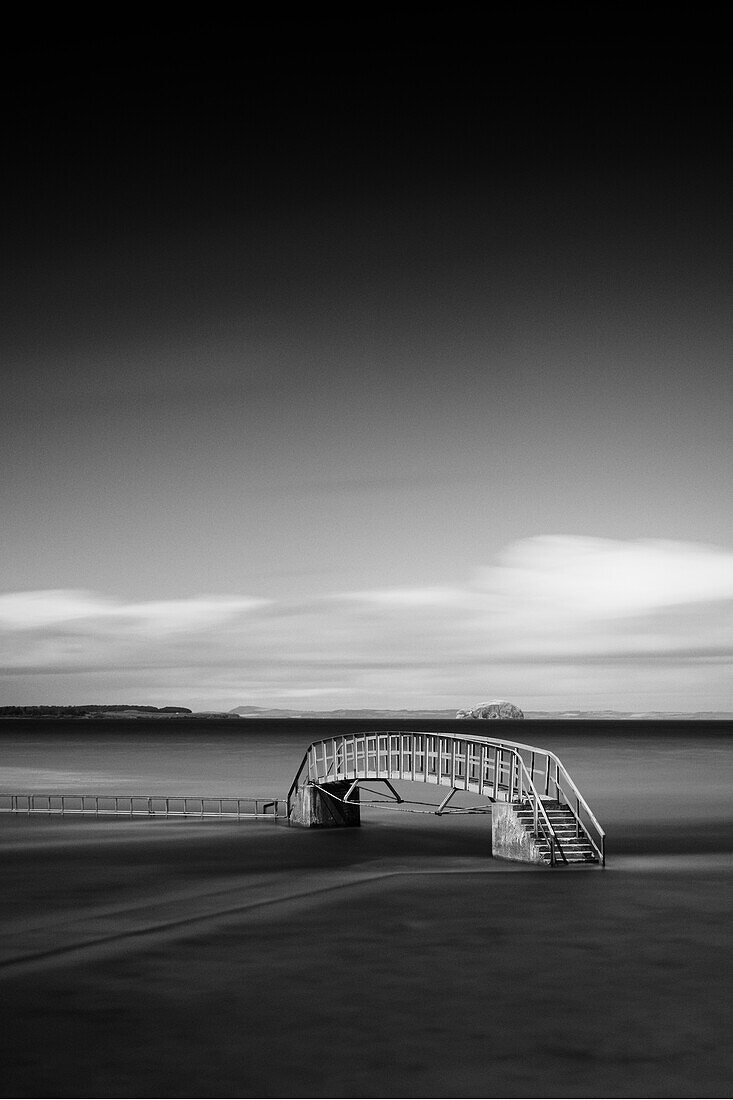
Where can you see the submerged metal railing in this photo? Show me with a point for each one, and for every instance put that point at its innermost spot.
(506, 771)
(105, 805)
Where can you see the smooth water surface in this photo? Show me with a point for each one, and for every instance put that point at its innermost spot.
(649, 783)
(179, 958)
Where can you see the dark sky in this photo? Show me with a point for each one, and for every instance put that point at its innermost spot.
(293, 310)
(168, 190)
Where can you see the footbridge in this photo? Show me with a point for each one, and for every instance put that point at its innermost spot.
(538, 813)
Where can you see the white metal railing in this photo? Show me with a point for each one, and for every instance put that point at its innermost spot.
(105, 805)
(500, 770)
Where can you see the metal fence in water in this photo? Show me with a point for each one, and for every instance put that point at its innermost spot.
(113, 805)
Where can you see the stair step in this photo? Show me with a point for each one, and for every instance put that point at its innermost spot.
(573, 845)
(565, 812)
(552, 820)
(568, 831)
(568, 845)
(575, 857)
(568, 850)
(571, 837)
(565, 838)
(580, 853)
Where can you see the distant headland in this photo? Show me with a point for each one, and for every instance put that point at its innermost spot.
(94, 710)
(132, 711)
(449, 715)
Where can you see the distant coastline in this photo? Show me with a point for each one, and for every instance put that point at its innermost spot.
(93, 710)
(132, 711)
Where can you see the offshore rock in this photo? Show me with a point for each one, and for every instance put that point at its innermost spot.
(499, 708)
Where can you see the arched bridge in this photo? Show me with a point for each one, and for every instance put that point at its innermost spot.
(538, 813)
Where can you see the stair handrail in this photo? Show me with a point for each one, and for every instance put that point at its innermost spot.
(524, 785)
(294, 784)
(600, 846)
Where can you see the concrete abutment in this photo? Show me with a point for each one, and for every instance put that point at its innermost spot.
(509, 837)
(320, 806)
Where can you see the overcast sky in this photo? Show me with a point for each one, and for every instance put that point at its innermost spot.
(396, 375)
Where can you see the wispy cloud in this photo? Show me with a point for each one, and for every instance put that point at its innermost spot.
(555, 618)
(409, 597)
(58, 607)
(591, 578)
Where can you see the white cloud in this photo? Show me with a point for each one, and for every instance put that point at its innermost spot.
(409, 597)
(31, 610)
(605, 578)
(59, 607)
(559, 618)
(200, 612)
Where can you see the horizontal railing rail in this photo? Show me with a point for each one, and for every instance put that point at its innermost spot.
(106, 805)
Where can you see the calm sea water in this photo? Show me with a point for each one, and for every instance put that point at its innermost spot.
(466, 973)
(653, 785)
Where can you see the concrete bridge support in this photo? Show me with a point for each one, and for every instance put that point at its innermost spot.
(314, 808)
(510, 838)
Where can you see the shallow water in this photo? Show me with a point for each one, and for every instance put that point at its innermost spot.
(651, 784)
(181, 958)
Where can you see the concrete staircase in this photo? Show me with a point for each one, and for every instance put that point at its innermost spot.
(574, 844)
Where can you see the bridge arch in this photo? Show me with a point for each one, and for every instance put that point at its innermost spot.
(542, 806)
